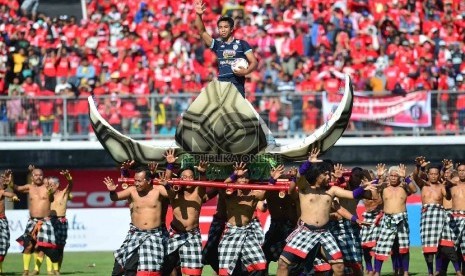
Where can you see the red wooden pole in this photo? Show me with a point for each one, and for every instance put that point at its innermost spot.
(279, 186)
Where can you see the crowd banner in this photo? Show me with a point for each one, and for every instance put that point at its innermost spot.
(411, 110)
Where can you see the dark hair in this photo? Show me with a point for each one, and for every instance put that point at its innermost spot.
(226, 19)
(356, 176)
(148, 174)
(316, 170)
(188, 168)
(434, 166)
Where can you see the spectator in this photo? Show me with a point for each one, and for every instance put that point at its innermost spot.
(4, 127)
(49, 65)
(15, 87)
(85, 72)
(46, 111)
(29, 7)
(62, 86)
(168, 129)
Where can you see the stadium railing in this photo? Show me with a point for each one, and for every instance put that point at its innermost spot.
(289, 115)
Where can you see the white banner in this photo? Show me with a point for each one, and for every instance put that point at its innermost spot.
(89, 229)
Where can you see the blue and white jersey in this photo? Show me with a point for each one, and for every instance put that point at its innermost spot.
(226, 53)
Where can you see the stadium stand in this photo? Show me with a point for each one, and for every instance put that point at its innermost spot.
(132, 49)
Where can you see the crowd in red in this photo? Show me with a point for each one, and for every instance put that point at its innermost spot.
(143, 47)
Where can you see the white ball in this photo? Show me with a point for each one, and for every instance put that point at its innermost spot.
(239, 62)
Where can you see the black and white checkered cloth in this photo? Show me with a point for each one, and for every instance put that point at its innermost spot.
(370, 233)
(4, 236)
(447, 235)
(45, 236)
(275, 238)
(210, 251)
(458, 227)
(189, 245)
(392, 226)
(432, 221)
(61, 230)
(243, 242)
(150, 244)
(348, 240)
(305, 238)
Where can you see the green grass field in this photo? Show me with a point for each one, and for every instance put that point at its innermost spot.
(101, 263)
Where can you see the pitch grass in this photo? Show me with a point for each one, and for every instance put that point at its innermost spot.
(101, 263)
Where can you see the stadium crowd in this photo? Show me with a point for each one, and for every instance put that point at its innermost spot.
(152, 47)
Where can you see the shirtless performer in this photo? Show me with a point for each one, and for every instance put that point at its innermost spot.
(39, 236)
(58, 214)
(432, 213)
(144, 243)
(455, 191)
(5, 180)
(185, 242)
(372, 215)
(394, 224)
(243, 236)
(312, 233)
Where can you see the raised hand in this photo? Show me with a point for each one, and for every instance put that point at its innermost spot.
(67, 175)
(199, 7)
(402, 170)
(338, 170)
(162, 178)
(152, 167)
(313, 156)
(202, 167)
(447, 164)
(126, 165)
(111, 186)
(277, 172)
(380, 170)
(169, 156)
(239, 169)
(421, 161)
(31, 168)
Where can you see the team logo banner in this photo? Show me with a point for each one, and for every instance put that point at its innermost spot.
(411, 110)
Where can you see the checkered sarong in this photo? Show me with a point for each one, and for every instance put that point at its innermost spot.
(45, 236)
(150, 245)
(306, 238)
(210, 251)
(392, 226)
(4, 236)
(61, 230)
(447, 235)
(275, 238)
(189, 245)
(431, 226)
(370, 233)
(348, 240)
(242, 243)
(458, 227)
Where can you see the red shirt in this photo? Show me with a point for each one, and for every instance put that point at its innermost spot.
(49, 67)
(62, 69)
(31, 90)
(46, 106)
